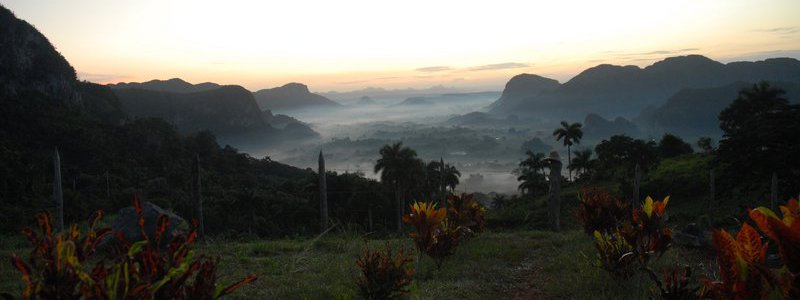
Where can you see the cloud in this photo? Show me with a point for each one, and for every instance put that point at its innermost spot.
(433, 69)
(101, 78)
(781, 30)
(502, 66)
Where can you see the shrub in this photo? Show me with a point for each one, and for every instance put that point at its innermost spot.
(431, 234)
(599, 211)
(615, 255)
(647, 230)
(465, 213)
(58, 267)
(625, 240)
(675, 286)
(384, 275)
(743, 272)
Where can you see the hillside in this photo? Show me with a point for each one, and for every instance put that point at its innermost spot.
(694, 112)
(291, 96)
(107, 156)
(174, 85)
(227, 110)
(610, 90)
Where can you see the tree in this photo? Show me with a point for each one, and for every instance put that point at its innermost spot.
(672, 146)
(531, 173)
(399, 166)
(706, 144)
(617, 156)
(582, 162)
(571, 134)
(760, 138)
(434, 176)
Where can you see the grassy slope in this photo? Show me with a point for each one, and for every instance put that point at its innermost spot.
(510, 264)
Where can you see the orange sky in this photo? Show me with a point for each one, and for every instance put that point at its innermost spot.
(345, 45)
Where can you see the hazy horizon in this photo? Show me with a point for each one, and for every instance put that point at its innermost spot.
(351, 45)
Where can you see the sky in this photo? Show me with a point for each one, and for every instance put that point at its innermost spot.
(346, 45)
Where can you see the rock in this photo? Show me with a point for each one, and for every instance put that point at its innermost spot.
(127, 222)
(691, 237)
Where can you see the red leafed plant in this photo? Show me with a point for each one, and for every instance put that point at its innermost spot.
(741, 263)
(58, 266)
(465, 212)
(599, 211)
(384, 275)
(647, 230)
(675, 286)
(432, 235)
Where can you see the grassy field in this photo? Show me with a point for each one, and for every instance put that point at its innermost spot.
(505, 264)
(515, 264)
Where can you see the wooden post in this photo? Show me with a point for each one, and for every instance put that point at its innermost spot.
(773, 195)
(398, 197)
(58, 192)
(198, 198)
(712, 189)
(555, 190)
(637, 180)
(323, 195)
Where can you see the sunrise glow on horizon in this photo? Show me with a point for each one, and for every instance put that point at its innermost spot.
(348, 45)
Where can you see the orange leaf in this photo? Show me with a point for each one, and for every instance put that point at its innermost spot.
(750, 246)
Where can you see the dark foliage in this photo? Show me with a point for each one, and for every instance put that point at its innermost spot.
(760, 136)
(672, 146)
(384, 275)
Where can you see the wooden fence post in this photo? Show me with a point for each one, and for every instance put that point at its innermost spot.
(58, 192)
(323, 195)
(198, 198)
(637, 181)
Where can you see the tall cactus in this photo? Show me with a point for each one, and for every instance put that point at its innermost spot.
(58, 192)
(323, 195)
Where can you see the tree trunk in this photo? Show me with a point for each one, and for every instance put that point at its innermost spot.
(323, 195)
(569, 162)
(369, 216)
(198, 198)
(58, 192)
(555, 194)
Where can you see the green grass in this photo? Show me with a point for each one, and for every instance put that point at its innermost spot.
(510, 264)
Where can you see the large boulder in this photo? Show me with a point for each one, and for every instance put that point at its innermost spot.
(127, 222)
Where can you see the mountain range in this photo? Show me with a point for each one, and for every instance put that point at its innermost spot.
(611, 90)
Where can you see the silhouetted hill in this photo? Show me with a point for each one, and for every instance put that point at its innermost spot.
(30, 64)
(627, 90)
(227, 110)
(692, 113)
(415, 101)
(291, 96)
(521, 87)
(174, 85)
(290, 127)
(596, 127)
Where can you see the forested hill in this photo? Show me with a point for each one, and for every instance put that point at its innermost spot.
(107, 156)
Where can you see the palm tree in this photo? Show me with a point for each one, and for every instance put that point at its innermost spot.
(451, 176)
(531, 172)
(398, 166)
(572, 134)
(582, 162)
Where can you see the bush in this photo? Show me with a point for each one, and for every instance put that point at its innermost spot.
(384, 275)
(58, 267)
(431, 234)
(625, 240)
(743, 272)
(599, 211)
(465, 213)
